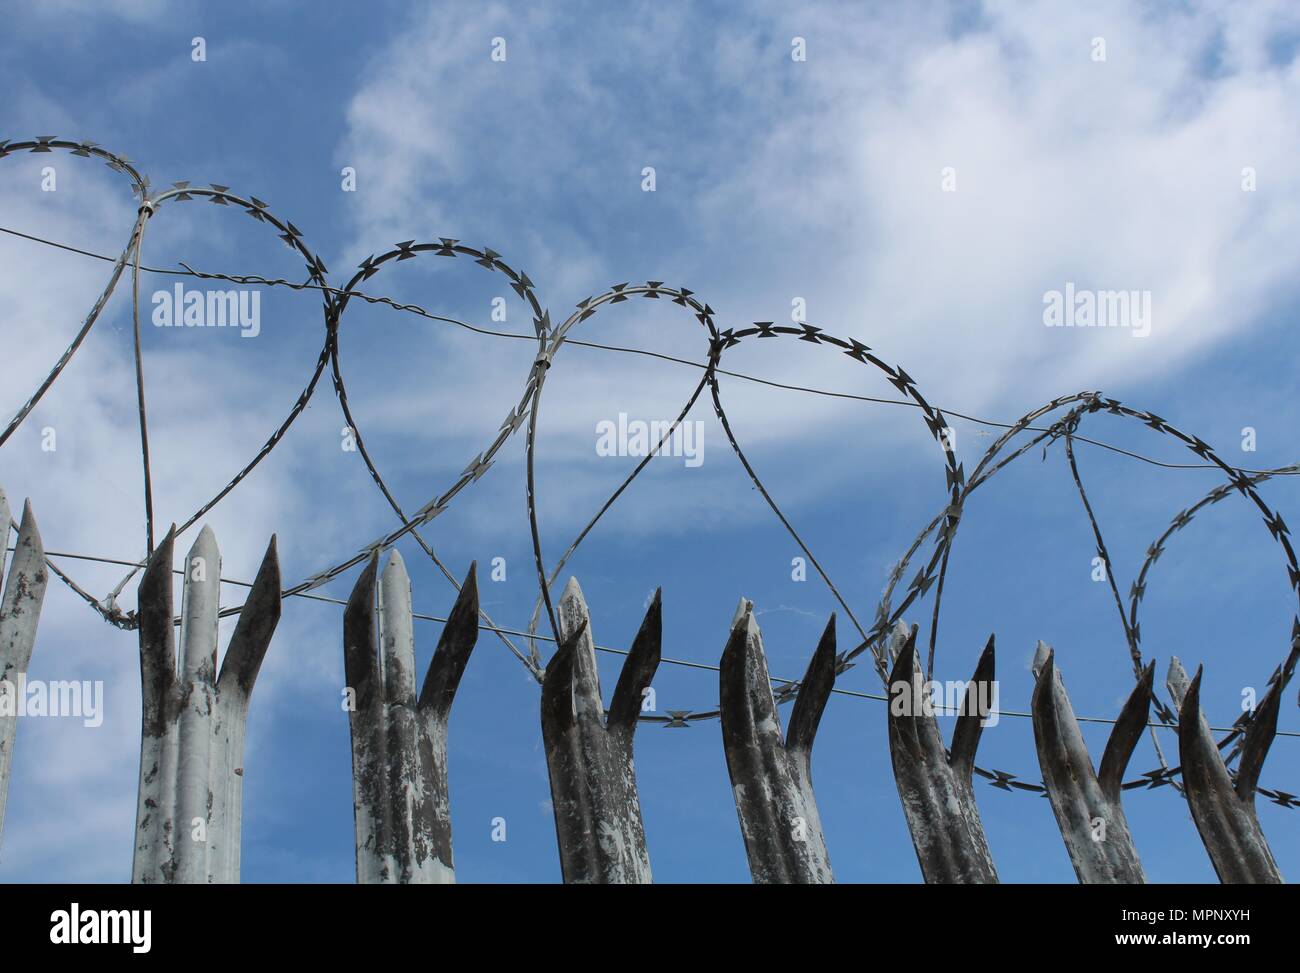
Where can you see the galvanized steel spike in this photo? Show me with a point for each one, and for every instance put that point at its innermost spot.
(1087, 804)
(190, 800)
(598, 825)
(935, 785)
(771, 779)
(1224, 812)
(20, 611)
(401, 805)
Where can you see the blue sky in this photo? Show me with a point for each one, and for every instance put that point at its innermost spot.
(776, 180)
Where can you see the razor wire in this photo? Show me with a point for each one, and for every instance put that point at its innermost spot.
(1091, 402)
(549, 342)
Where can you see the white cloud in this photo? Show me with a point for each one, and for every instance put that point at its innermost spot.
(822, 180)
(86, 495)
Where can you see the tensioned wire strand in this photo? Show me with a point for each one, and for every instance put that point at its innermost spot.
(416, 309)
(615, 651)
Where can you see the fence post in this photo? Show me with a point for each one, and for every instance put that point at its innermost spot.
(20, 610)
(935, 785)
(1087, 804)
(401, 807)
(1224, 809)
(771, 780)
(190, 800)
(598, 824)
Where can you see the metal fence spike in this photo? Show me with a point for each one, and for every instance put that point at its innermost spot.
(598, 825)
(252, 637)
(1224, 816)
(20, 611)
(936, 788)
(401, 803)
(197, 649)
(1041, 653)
(559, 671)
(1125, 735)
(744, 606)
(405, 784)
(771, 785)
(459, 635)
(1090, 817)
(638, 672)
(190, 799)
(157, 636)
(814, 692)
(366, 726)
(573, 615)
(1259, 737)
(257, 623)
(975, 708)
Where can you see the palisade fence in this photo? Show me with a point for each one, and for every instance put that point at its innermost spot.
(194, 710)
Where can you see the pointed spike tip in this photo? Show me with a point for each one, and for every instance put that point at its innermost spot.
(572, 589)
(904, 659)
(395, 562)
(204, 545)
(743, 608)
(1042, 655)
(1191, 702)
(1176, 679)
(655, 610)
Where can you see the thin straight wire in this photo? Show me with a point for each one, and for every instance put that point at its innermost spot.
(421, 312)
(685, 663)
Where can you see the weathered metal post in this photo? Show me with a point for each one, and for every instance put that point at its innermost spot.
(401, 804)
(20, 610)
(191, 794)
(1087, 804)
(1224, 809)
(771, 780)
(934, 784)
(598, 824)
